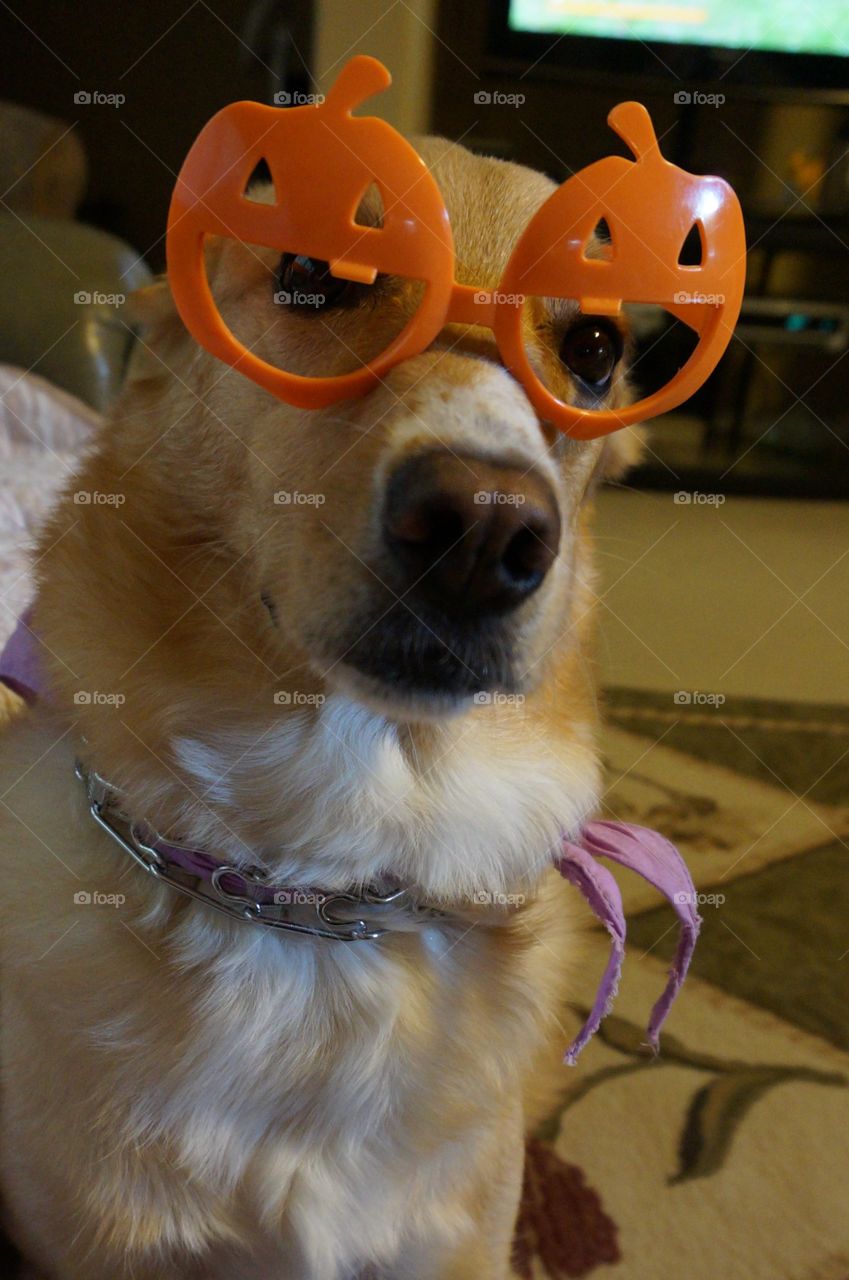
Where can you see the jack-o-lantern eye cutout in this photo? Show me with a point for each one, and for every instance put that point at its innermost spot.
(322, 160)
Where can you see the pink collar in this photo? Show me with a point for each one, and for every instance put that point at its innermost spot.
(247, 893)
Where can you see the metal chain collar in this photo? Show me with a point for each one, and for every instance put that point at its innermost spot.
(346, 917)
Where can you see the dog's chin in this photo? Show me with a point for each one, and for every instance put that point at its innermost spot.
(404, 667)
(395, 702)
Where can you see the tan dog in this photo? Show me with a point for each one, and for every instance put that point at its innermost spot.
(298, 683)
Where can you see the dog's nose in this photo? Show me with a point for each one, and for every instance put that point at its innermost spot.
(471, 536)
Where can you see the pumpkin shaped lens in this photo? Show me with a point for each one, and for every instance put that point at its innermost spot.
(228, 227)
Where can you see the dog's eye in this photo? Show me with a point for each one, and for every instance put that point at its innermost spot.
(590, 350)
(308, 285)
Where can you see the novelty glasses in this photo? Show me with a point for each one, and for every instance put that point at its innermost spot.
(323, 160)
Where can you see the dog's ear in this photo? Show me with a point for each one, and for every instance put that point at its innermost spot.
(151, 305)
(160, 331)
(621, 451)
(157, 326)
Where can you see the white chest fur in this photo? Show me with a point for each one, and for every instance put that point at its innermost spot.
(227, 1085)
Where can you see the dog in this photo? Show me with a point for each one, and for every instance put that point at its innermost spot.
(301, 638)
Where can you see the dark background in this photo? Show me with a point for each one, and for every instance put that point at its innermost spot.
(210, 53)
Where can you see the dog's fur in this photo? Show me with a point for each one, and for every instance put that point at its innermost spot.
(186, 1096)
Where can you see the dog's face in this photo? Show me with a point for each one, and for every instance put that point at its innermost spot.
(417, 546)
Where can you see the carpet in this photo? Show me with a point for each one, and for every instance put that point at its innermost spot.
(727, 1155)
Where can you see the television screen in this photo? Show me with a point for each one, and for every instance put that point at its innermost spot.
(778, 26)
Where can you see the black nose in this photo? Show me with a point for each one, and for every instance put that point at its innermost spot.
(470, 536)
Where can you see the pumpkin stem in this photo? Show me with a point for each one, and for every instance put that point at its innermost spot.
(359, 79)
(633, 123)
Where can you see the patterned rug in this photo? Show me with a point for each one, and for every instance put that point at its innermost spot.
(727, 1155)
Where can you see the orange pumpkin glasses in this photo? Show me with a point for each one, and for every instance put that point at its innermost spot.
(328, 158)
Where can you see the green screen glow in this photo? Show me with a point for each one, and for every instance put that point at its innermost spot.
(787, 26)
